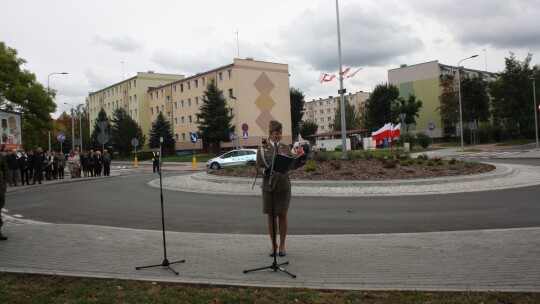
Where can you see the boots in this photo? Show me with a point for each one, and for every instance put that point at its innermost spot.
(3, 237)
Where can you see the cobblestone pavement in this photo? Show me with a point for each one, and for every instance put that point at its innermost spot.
(481, 260)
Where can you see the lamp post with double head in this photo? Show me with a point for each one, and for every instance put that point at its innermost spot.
(459, 97)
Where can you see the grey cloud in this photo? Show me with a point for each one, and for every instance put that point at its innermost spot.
(368, 38)
(121, 43)
(499, 23)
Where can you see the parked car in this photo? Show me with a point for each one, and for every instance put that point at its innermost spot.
(232, 158)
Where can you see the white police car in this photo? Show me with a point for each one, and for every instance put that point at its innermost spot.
(232, 158)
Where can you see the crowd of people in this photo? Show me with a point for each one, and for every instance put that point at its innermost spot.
(31, 167)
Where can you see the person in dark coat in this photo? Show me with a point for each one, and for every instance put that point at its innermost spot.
(280, 191)
(91, 162)
(13, 167)
(38, 163)
(3, 185)
(98, 163)
(155, 160)
(30, 155)
(106, 163)
(24, 167)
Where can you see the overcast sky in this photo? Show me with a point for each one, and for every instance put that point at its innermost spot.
(91, 39)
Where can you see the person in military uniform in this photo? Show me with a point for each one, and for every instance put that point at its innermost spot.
(280, 190)
(4, 180)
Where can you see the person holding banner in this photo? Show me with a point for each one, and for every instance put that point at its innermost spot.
(279, 193)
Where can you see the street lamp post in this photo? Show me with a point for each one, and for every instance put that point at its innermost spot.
(72, 128)
(235, 120)
(459, 97)
(48, 79)
(534, 109)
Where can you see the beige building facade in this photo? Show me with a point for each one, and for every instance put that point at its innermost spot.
(256, 92)
(132, 95)
(323, 110)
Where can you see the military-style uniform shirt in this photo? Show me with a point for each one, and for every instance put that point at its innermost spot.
(265, 155)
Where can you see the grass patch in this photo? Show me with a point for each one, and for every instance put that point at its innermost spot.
(517, 142)
(23, 288)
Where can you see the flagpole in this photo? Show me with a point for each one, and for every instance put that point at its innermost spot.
(341, 93)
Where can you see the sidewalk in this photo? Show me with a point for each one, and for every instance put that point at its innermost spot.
(482, 260)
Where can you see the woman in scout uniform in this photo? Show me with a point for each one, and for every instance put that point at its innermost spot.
(281, 184)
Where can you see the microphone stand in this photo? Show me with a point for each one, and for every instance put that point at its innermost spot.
(275, 266)
(165, 262)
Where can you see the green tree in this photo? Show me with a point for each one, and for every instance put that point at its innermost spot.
(94, 144)
(123, 130)
(297, 111)
(20, 92)
(411, 107)
(214, 117)
(512, 95)
(474, 100)
(307, 128)
(161, 128)
(448, 101)
(350, 117)
(382, 106)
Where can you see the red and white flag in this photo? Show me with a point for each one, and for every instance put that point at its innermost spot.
(344, 72)
(396, 131)
(352, 75)
(329, 78)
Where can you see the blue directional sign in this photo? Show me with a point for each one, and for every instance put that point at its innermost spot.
(193, 137)
(232, 136)
(431, 126)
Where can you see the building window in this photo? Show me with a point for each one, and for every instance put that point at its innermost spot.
(181, 104)
(204, 81)
(197, 101)
(328, 110)
(151, 111)
(175, 137)
(130, 99)
(183, 136)
(328, 102)
(189, 86)
(189, 119)
(231, 93)
(182, 120)
(329, 118)
(134, 83)
(189, 102)
(157, 110)
(175, 106)
(229, 73)
(168, 98)
(176, 121)
(151, 96)
(220, 76)
(321, 111)
(130, 112)
(174, 89)
(162, 108)
(196, 83)
(320, 103)
(168, 114)
(181, 88)
(135, 98)
(322, 127)
(135, 112)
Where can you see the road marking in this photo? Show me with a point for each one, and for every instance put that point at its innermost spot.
(17, 216)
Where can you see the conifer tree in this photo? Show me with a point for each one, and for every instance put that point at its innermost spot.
(161, 128)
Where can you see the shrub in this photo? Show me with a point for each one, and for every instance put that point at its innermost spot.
(431, 162)
(423, 139)
(453, 161)
(485, 133)
(406, 162)
(408, 137)
(310, 166)
(336, 164)
(321, 157)
(388, 163)
(419, 160)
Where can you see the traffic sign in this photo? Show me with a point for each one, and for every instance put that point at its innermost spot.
(193, 137)
(431, 126)
(245, 127)
(232, 136)
(135, 141)
(61, 136)
(246, 135)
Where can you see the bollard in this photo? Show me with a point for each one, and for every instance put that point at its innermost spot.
(136, 163)
(194, 163)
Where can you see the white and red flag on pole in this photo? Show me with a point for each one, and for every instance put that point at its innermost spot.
(344, 72)
(396, 130)
(354, 73)
(329, 78)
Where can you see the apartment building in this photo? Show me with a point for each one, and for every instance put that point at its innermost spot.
(323, 110)
(256, 93)
(423, 80)
(132, 95)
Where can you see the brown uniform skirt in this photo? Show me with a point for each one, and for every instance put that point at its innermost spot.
(281, 201)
